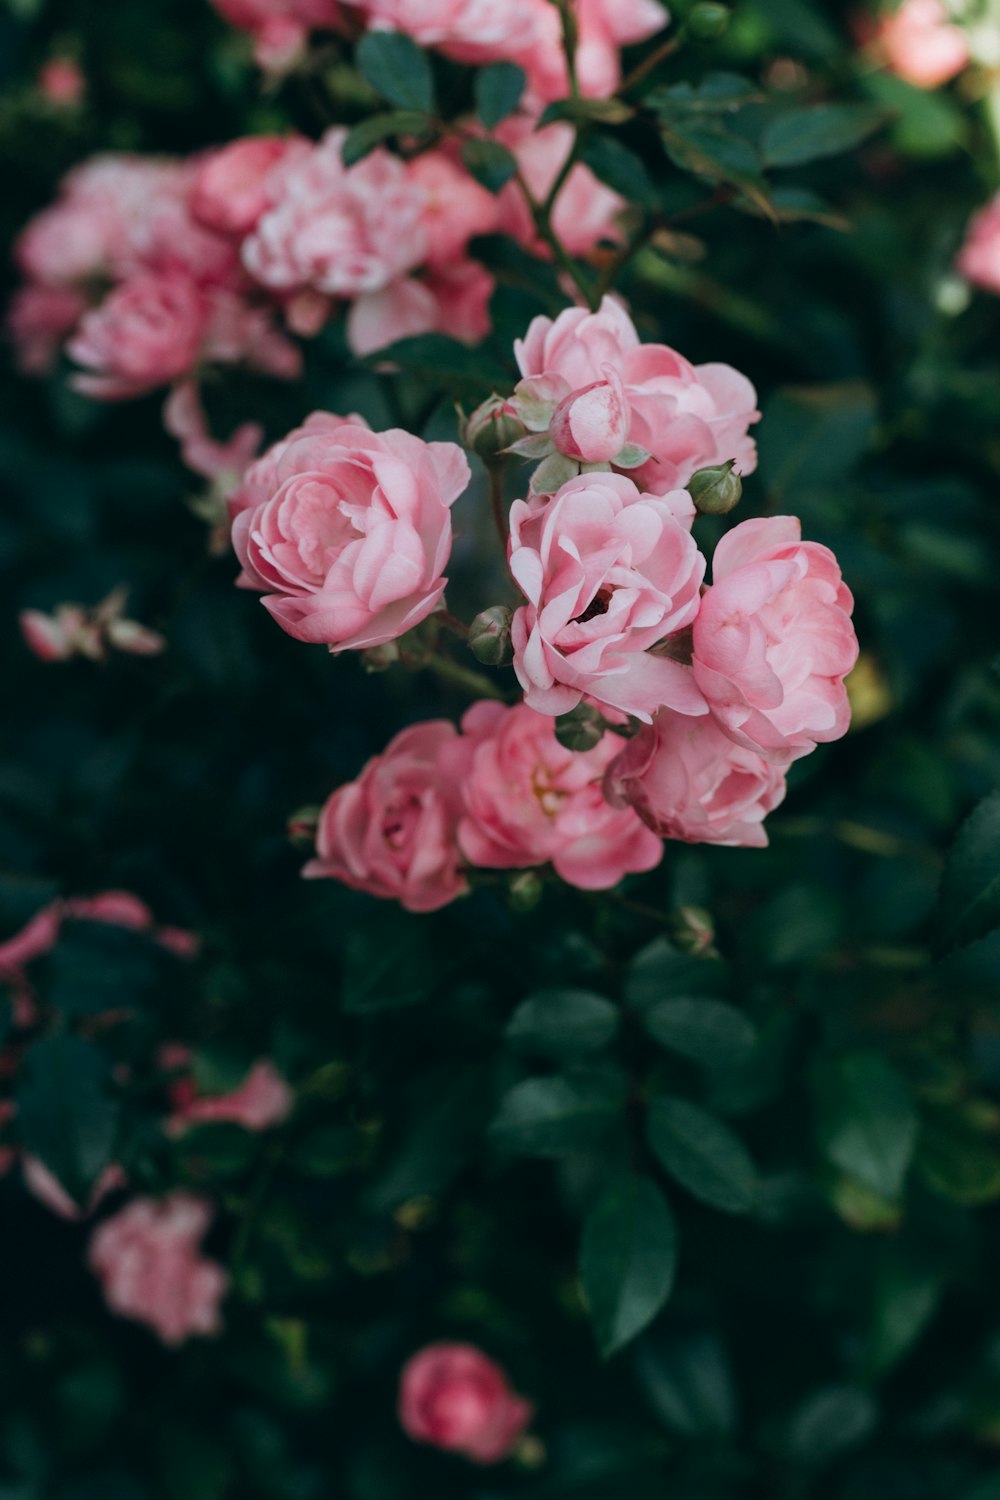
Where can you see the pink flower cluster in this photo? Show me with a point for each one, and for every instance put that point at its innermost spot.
(526, 32)
(917, 40)
(452, 1396)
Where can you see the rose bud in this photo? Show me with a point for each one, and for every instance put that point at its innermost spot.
(716, 490)
(592, 424)
(489, 636)
(492, 428)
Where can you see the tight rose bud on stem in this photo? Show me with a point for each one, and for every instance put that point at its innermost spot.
(716, 490)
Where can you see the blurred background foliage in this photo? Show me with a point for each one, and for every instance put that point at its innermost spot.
(834, 1329)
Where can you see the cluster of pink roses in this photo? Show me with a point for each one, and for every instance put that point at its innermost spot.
(348, 532)
(526, 32)
(146, 1255)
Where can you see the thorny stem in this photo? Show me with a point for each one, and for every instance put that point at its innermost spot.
(543, 225)
(495, 473)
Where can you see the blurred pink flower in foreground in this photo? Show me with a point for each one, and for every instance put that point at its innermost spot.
(453, 1396)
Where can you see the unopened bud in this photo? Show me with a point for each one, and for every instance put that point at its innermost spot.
(707, 22)
(492, 428)
(380, 658)
(524, 891)
(592, 423)
(717, 490)
(581, 729)
(302, 825)
(693, 930)
(489, 636)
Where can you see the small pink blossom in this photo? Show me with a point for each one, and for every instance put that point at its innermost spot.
(393, 831)
(608, 571)
(528, 801)
(592, 423)
(773, 640)
(685, 416)
(150, 1267)
(687, 780)
(979, 258)
(918, 41)
(61, 82)
(261, 1101)
(71, 630)
(453, 1397)
(451, 299)
(350, 545)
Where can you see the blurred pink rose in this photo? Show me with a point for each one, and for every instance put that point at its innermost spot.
(49, 1190)
(148, 332)
(456, 208)
(261, 480)
(585, 211)
(773, 640)
(689, 781)
(39, 318)
(608, 572)
(65, 633)
(529, 802)
(338, 230)
(470, 31)
(118, 908)
(351, 544)
(453, 1397)
(262, 1100)
(61, 82)
(979, 258)
(280, 28)
(392, 832)
(148, 1261)
(686, 416)
(230, 189)
(451, 299)
(604, 27)
(918, 41)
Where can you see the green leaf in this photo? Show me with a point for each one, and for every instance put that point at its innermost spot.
(370, 133)
(709, 151)
(627, 1260)
(715, 94)
(906, 1299)
(585, 111)
(865, 1121)
(445, 362)
(813, 436)
(661, 972)
(66, 1114)
(399, 69)
(703, 1155)
(491, 164)
(688, 1381)
(553, 1116)
(969, 904)
(620, 168)
(98, 966)
(925, 122)
(562, 1023)
(498, 89)
(444, 1124)
(818, 130)
(958, 1163)
(831, 1422)
(707, 1031)
(390, 963)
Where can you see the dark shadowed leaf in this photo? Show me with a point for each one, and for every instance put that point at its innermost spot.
(703, 1155)
(397, 68)
(562, 1023)
(627, 1260)
(969, 904)
(865, 1121)
(553, 1116)
(371, 133)
(66, 1113)
(707, 1031)
(491, 164)
(498, 90)
(818, 130)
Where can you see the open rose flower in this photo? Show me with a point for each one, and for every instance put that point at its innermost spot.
(529, 801)
(393, 831)
(230, 191)
(350, 545)
(147, 333)
(979, 258)
(453, 1397)
(607, 572)
(687, 780)
(148, 1261)
(773, 640)
(685, 416)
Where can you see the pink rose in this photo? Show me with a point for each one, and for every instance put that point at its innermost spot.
(979, 258)
(39, 318)
(61, 82)
(585, 210)
(773, 640)
(148, 1261)
(338, 230)
(222, 462)
(687, 780)
(686, 416)
(351, 544)
(230, 190)
(592, 423)
(148, 332)
(530, 802)
(603, 28)
(260, 481)
(392, 832)
(608, 572)
(470, 31)
(918, 41)
(261, 1101)
(453, 1397)
(453, 299)
(456, 208)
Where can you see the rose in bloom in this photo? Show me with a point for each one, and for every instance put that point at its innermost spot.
(351, 543)
(685, 416)
(148, 1261)
(773, 640)
(148, 332)
(608, 572)
(687, 780)
(918, 41)
(392, 832)
(338, 230)
(230, 190)
(528, 801)
(261, 1101)
(470, 31)
(454, 1397)
(453, 299)
(585, 211)
(979, 258)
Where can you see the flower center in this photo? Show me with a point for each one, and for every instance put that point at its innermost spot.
(597, 606)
